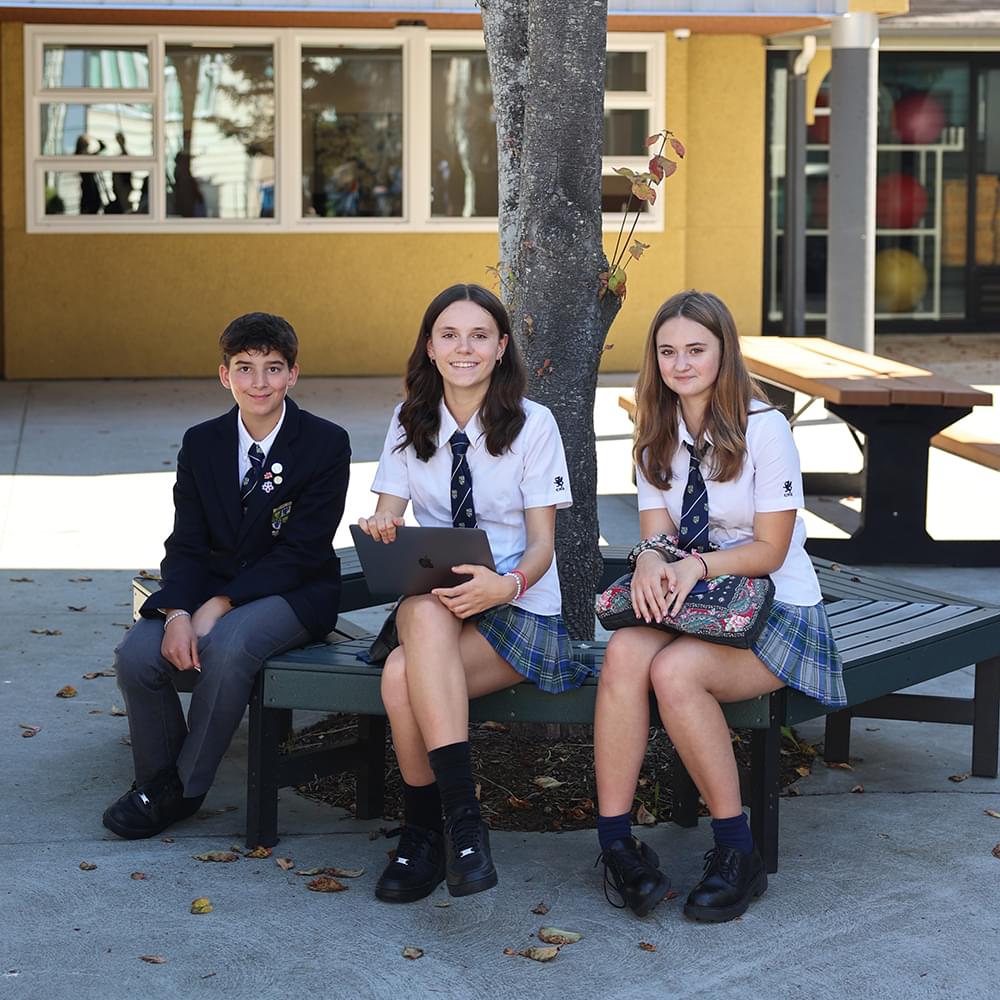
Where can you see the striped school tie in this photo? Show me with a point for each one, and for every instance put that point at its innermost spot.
(463, 508)
(694, 508)
(252, 479)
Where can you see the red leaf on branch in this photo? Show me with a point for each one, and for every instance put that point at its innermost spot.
(678, 147)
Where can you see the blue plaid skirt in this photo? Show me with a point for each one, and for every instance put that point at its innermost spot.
(797, 646)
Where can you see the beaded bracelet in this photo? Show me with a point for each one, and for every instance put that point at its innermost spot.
(175, 614)
(517, 583)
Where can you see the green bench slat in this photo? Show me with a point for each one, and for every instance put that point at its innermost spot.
(946, 619)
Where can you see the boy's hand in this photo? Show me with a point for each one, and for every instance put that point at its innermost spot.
(485, 590)
(180, 644)
(381, 525)
(209, 613)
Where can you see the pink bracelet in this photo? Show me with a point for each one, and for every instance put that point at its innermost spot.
(522, 578)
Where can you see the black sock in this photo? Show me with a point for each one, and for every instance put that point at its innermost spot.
(422, 806)
(452, 767)
(612, 828)
(733, 832)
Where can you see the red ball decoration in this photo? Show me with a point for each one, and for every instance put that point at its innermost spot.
(900, 202)
(918, 119)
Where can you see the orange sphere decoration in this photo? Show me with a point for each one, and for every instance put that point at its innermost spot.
(900, 202)
(900, 281)
(918, 119)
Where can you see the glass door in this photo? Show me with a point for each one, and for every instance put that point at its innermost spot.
(984, 221)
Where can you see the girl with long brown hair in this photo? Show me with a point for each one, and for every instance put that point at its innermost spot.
(467, 450)
(717, 473)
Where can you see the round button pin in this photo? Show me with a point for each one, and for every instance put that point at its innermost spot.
(277, 480)
(277, 467)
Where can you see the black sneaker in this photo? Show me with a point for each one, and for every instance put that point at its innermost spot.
(418, 868)
(468, 862)
(731, 879)
(146, 810)
(631, 870)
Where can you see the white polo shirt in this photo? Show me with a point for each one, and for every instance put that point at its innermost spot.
(769, 481)
(532, 473)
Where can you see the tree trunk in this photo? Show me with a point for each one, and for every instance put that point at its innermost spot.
(547, 66)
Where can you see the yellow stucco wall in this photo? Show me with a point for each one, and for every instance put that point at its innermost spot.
(115, 305)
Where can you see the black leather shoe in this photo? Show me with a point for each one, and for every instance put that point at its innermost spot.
(146, 810)
(417, 870)
(631, 870)
(731, 879)
(468, 863)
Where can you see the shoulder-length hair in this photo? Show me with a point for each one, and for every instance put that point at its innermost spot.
(502, 412)
(656, 432)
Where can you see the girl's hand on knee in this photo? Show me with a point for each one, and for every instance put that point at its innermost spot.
(653, 585)
(485, 590)
(381, 526)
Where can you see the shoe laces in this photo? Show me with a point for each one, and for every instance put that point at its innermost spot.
(618, 870)
(467, 835)
(724, 860)
(414, 843)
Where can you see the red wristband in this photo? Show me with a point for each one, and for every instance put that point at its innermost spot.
(523, 579)
(704, 564)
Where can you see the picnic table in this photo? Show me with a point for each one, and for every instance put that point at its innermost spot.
(901, 410)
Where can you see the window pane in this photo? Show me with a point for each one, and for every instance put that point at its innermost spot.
(615, 191)
(108, 129)
(625, 133)
(625, 71)
(219, 131)
(78, 66)
(100, 193)
(352, 132)
(463, 136)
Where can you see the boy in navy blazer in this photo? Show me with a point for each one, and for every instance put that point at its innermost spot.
(249, 571)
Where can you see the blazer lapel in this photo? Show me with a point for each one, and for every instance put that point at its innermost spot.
(226, 469)
(281, 454)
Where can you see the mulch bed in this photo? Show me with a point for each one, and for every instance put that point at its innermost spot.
(536, 777)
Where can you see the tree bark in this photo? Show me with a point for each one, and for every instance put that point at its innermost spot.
(547, 66)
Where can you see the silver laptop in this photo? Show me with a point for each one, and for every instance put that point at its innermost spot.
(420, 559)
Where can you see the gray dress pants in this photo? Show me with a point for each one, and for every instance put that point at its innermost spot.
(231, 656)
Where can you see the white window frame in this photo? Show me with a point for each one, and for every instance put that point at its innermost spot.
(416, 45)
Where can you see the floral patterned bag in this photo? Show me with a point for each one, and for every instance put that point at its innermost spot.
(729, 610)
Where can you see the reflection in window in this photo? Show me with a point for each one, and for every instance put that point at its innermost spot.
(118, 67)
(625, 71)
(103, 192)
(219, 131)
(107, 129)
(625, 132)
(352, 132)
(463, 135)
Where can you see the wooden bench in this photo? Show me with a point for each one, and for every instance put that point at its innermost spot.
(891, 636)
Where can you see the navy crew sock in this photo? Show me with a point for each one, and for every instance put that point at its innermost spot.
(612, 828)
(422, 806)
(452, 766)
(733, 832)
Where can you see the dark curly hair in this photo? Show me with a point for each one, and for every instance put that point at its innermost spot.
(260, 332)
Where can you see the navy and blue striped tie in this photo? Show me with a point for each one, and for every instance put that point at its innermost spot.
(463, 508)
(252, 479)
(694, 508)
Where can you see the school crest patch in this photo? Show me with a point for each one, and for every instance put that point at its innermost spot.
(279, 516)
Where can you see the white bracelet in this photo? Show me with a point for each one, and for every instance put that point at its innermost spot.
(175, 614)
(520, 586)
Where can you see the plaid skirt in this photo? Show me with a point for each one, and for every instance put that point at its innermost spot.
(797, 646)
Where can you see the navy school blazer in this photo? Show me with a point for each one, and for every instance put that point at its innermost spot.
(282, 546)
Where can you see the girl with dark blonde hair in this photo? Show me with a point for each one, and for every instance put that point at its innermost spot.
(717, 473)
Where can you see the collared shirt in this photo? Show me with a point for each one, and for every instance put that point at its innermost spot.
(770, 480)
(532, 473)
(246, 441)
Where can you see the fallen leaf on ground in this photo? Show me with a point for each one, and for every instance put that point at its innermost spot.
(236, 849)
(872, 729)
(838, 765)
(803, 771)
(96, 711)
(29, 731)
(996, 851)
(344, 872)
(443, 904)
(494, 727)
(46, 631)
(546, 782)
(413, 953)
(201, 905)
(326, 884)
(166, 840)
(792, 791)
(153, 959)
(86, 866)
(260, 852)
(138, 876)
(125, 741)
(883, 836)
(541, 909)
(535, 954)
(858, 788)
(959, 777)
(646, 946)
(94, 674)
(76, 607)
(21, 579)
(553, 935)
(81, 579)
(66, 692)
(310, 871)
(221, 856)
(515, 803)
(989, 812)
(644, 817)
(671, 895)
(115, 710)
(284, 863)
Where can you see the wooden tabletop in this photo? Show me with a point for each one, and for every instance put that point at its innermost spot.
(839, 374)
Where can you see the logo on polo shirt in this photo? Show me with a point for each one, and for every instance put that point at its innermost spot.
(788, 487)
(560, 485)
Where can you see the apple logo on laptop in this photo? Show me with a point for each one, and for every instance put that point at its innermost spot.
(425, 562)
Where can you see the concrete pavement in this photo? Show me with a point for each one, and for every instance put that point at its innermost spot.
(890, 893)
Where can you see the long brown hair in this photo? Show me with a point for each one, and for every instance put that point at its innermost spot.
(502, 412)
(656, 432)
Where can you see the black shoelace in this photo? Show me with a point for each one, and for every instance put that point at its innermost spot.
(721, 860)
(618, 873)
(413, 842)
(467, 835)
